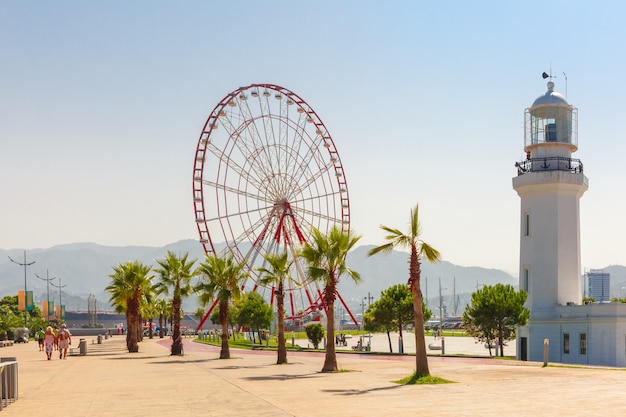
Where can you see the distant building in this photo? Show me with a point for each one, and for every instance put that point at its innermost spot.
(599, 285)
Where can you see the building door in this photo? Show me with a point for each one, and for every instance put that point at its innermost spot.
(524, 349)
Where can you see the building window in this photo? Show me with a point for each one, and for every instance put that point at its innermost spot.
(566, 343)
(525, 276)
(526, 226)
(583, 343)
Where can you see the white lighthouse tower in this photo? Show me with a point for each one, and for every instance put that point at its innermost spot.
(550, 183)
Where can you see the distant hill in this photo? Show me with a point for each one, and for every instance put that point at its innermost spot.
(84, 268)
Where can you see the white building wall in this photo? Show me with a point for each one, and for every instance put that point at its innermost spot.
(551, 251)
(603, 324)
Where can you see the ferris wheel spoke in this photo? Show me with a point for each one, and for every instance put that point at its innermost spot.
(243, 173)
(237, 134)
(315, 177)
(306, 161)
(304, 214)
(315, 198)
(238, 214)
(255, 137)
(232, 190)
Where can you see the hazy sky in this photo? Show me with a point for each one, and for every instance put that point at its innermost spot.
(102, 104)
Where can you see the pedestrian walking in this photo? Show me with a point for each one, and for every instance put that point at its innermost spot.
(49, 341)
(40, 335)
(64, 339)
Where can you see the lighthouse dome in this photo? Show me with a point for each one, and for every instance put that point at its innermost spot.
(550, 97)
(551, 125)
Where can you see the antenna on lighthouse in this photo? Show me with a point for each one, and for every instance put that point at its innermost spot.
(565, 75)
(545, 75)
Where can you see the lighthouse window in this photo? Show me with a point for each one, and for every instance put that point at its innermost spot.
(550, 132)
(566, 343)
(526, 226)
(583, 343)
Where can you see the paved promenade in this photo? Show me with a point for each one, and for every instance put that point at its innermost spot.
(111, 382)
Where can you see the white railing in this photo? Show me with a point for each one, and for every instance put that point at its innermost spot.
(8, 378)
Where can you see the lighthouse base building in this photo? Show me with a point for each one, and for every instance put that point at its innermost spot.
(550, 184)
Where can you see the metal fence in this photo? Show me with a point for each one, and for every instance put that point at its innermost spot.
(551, 163)
(8, 376)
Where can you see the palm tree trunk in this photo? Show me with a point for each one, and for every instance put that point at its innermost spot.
(330, 361)
(177, 343)
(225, 351)
(133, 307)
(421, 358)
(282, 348)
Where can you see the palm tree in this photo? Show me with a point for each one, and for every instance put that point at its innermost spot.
(175, 274)
(131, 281)
(221, 279)
(149, 311)
(162, 310)
(418, 249)
(275, 275)
(326, 256)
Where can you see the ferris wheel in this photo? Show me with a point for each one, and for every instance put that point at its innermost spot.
(266, 172)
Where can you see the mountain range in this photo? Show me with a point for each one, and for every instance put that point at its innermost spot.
(83, 269)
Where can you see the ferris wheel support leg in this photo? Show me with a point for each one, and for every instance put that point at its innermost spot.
(206, 315)
(347, 309)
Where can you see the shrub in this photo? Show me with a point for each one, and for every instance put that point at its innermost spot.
(315, 333)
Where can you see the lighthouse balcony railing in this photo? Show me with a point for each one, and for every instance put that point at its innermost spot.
(549, 163)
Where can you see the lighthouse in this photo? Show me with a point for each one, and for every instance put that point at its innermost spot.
(550, 184)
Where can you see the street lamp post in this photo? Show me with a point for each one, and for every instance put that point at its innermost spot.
(443, 344)
(25, 264)
(60, 287)
(369, 299)
(47, 279)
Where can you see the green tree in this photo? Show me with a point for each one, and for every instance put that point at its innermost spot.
(274, 274)
(130, 282)
(221, 279)
(175, 274)
(315, 334)
(149, 311)
(494, 313)
(418, 249)
(326, 257)
(254, 312)
(379, 319)
(10, 317)
(393, 311)
(162, 310)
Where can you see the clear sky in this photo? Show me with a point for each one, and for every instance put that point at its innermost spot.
(102, 104)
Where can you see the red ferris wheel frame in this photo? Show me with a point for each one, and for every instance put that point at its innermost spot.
(270, 177)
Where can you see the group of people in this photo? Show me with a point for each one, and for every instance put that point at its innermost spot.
(54, 339)
(340, 339)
